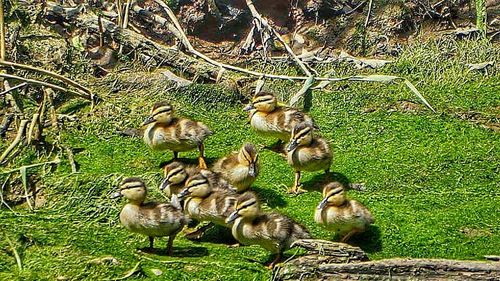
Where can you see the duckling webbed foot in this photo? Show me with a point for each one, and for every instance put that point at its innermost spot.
(197, 234)
(170, 245)
(297, 187)
(274, 262)
(201, 159)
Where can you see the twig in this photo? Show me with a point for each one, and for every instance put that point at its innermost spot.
(369, 12)
(11, 245)
(131, 272)
(6, 124)
(17, 140)
(41, 83)
(46, 72)
(49, 96)
(34, 122)
(1, 194)
(2, 32)
(125, 17)
(13, 88)
(53, 162)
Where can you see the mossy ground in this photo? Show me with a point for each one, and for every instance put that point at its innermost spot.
(432, 180)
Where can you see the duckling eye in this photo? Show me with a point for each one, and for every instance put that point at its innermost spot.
(246, 205)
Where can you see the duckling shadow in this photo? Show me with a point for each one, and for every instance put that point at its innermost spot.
(178, 251)
(189, 161)
(219, 235)
(369, 241)
(317, 182)
(270, 196)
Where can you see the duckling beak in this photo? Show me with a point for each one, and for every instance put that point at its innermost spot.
(292, 145)
(249, 107)
(323, 202)
(184, 193)
(251, 170)
(164, 184)
(148, 120)
(232, 217)
(116, 195)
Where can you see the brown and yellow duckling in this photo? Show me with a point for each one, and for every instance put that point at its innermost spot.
(270, 119)
(240, 168)
(306, 152)
(272, 231)
(343, 216)
(164, 131)
(207, 197)
(152, 219)
(175, 176)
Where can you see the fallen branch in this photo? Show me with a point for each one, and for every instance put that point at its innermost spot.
(53, 162)
(55, 87)
(131, 272)
(46, 72)
(13, 88)
(17, 140)
(6, 124)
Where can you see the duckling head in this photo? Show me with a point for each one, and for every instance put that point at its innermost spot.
(249, 156)
(263, 101)
(161, 112)
(175, 173)
(247, 206)
(134, 189)
(196, 186)
(333, 194)
(302, 134)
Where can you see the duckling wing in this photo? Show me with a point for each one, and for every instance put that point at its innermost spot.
(161, 219)
(189, 130)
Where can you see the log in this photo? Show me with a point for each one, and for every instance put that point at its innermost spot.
(325, 260)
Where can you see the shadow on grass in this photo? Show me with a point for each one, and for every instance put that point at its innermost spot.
(270, 196)
(317, 182)
(178, 251)
(189, 161)
(218, 235)
(370, 241)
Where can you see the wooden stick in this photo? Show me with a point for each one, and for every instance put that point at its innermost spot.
(13, 88)
(53, 162)
(33, 123)
(49, 95)
(2, 32)
(41, 83)
(17, 140)
(46, 72)
(369, 12)
(125, 17)
(71, 159)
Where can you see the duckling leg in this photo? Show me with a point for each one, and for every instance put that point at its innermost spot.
(201, 159)
(348, 236)
(151, 242)
(170, 244)
(195, 235)
(297, 189)
(275, 261)
(176, 155)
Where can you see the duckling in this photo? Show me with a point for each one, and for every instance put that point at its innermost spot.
(273, 231)
(207, 197)
(345, 217)
(166, 132)
(305, 152)
(152, 219)
(271, 119)
(176, 174)
(240, 168)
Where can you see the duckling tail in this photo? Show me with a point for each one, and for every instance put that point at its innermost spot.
(300, 232)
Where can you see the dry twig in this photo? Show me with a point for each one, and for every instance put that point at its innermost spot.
(17, 140)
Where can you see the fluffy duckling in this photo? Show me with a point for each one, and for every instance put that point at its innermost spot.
(270, 119)
(152, 219)
(175, 176)
(240, 168)
(166, 132)
(208, 198)
(345, 217)
(305, 152)
(273, 231)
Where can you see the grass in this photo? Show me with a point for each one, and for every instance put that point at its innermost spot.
(432, 180)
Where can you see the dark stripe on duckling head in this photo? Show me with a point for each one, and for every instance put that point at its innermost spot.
(302, 133)
(160, 104)
(263, 94)
(132, 182)
(161, 110)
(334, 191)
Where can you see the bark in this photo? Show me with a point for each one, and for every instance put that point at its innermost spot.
(326, 260)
